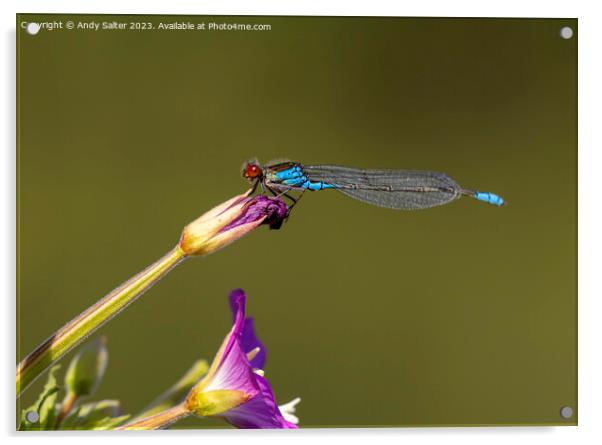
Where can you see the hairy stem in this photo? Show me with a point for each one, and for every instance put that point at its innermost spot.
(74, 332)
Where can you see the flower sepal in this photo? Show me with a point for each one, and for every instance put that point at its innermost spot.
(216, 402)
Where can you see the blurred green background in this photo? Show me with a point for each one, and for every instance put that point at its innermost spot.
(457, 315)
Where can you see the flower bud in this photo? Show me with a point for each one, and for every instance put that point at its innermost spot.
(230, 221)
(87, 369)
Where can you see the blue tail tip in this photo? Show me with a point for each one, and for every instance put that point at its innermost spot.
(490, 198)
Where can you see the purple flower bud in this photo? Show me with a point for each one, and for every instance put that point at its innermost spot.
(272, 211)
(231, 220)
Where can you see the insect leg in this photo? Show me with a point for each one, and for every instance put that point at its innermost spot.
(254, 187)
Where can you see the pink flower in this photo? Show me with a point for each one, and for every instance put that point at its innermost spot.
(233, 389)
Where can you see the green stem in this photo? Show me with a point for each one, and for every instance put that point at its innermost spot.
(160, 420)
(66, 407)
(92, 318)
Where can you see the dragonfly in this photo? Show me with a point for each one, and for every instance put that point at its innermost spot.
(394, 189)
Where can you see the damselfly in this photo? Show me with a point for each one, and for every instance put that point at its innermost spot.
(395, 189)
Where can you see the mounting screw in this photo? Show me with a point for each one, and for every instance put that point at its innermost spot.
(566, 412)
(32, 416)
(566, 32)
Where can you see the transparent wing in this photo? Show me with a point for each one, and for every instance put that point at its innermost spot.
(396, 189)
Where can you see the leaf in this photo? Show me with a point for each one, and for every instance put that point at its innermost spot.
(105, 414)
(109, 423)
(44, 406)
(87, 369)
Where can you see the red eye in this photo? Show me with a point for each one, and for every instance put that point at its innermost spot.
(252, 171)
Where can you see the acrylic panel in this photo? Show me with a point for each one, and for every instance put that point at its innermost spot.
(457, 312)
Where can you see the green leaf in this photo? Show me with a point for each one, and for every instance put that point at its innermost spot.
(44, 407)
(110, 423)
(87, 369)
(105, 414)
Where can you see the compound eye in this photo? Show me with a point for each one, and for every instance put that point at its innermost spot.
(253, 171)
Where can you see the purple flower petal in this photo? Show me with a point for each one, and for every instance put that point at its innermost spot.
(238, 301)
(231, 370)
(273, 211)
(249, 339)
(259, 412)
(234, 372)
